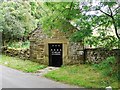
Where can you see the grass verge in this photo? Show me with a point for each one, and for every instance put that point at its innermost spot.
(19, 64)
(83, 76)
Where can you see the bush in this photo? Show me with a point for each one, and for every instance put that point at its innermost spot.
(19, 45)
(108, 67)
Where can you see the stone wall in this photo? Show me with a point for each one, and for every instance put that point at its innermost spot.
(76, 53)
(97, 55)
(37, 52)
(23, 54)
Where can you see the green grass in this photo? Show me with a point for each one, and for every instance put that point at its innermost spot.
(83, 76)
(19, 64)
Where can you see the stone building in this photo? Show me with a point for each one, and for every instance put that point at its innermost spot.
(55, 50)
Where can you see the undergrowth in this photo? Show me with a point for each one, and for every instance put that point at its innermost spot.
(108, 67)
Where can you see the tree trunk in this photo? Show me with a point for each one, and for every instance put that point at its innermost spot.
(115, 27)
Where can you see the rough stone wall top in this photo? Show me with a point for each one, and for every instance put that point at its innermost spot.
(58, 35)
(96, 55)
(37, 35)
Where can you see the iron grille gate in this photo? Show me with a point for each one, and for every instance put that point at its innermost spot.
(55, 54)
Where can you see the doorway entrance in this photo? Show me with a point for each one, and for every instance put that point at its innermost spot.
(55, 54)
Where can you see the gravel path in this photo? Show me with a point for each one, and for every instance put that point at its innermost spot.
(44, 71)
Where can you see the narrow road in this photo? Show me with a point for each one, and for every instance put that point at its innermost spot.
(16, 79)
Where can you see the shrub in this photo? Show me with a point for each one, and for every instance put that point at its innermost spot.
(108, 67)
(19, 45)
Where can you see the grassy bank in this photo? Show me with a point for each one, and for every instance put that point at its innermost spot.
(19, 64)
(83, 76)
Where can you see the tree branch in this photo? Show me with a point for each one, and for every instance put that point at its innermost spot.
(116, 31)
(116, 13)
(116, 8)
(111, 13)
(105, 13)
(113, 21)
(115, 26)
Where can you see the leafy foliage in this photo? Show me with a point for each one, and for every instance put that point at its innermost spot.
(101, 11)
(62, 16)
(16, 20)
(109, 67)
(104, 19)
(108, 42)
(19, 45)
(79, 20)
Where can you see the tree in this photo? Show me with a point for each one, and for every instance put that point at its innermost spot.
(16, 20)
(112, 12)
(62, 16)
(76, 20)
(105, 15)
(115, 17)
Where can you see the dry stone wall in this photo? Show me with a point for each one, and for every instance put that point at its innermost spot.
(97, 55)
(76, 55)
(23, 54)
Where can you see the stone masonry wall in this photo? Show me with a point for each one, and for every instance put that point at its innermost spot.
(97, 55)
(37, 52)
(23, 54)
(37, 46)
(76, 53)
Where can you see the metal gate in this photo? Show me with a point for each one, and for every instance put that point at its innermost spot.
(55, 54)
